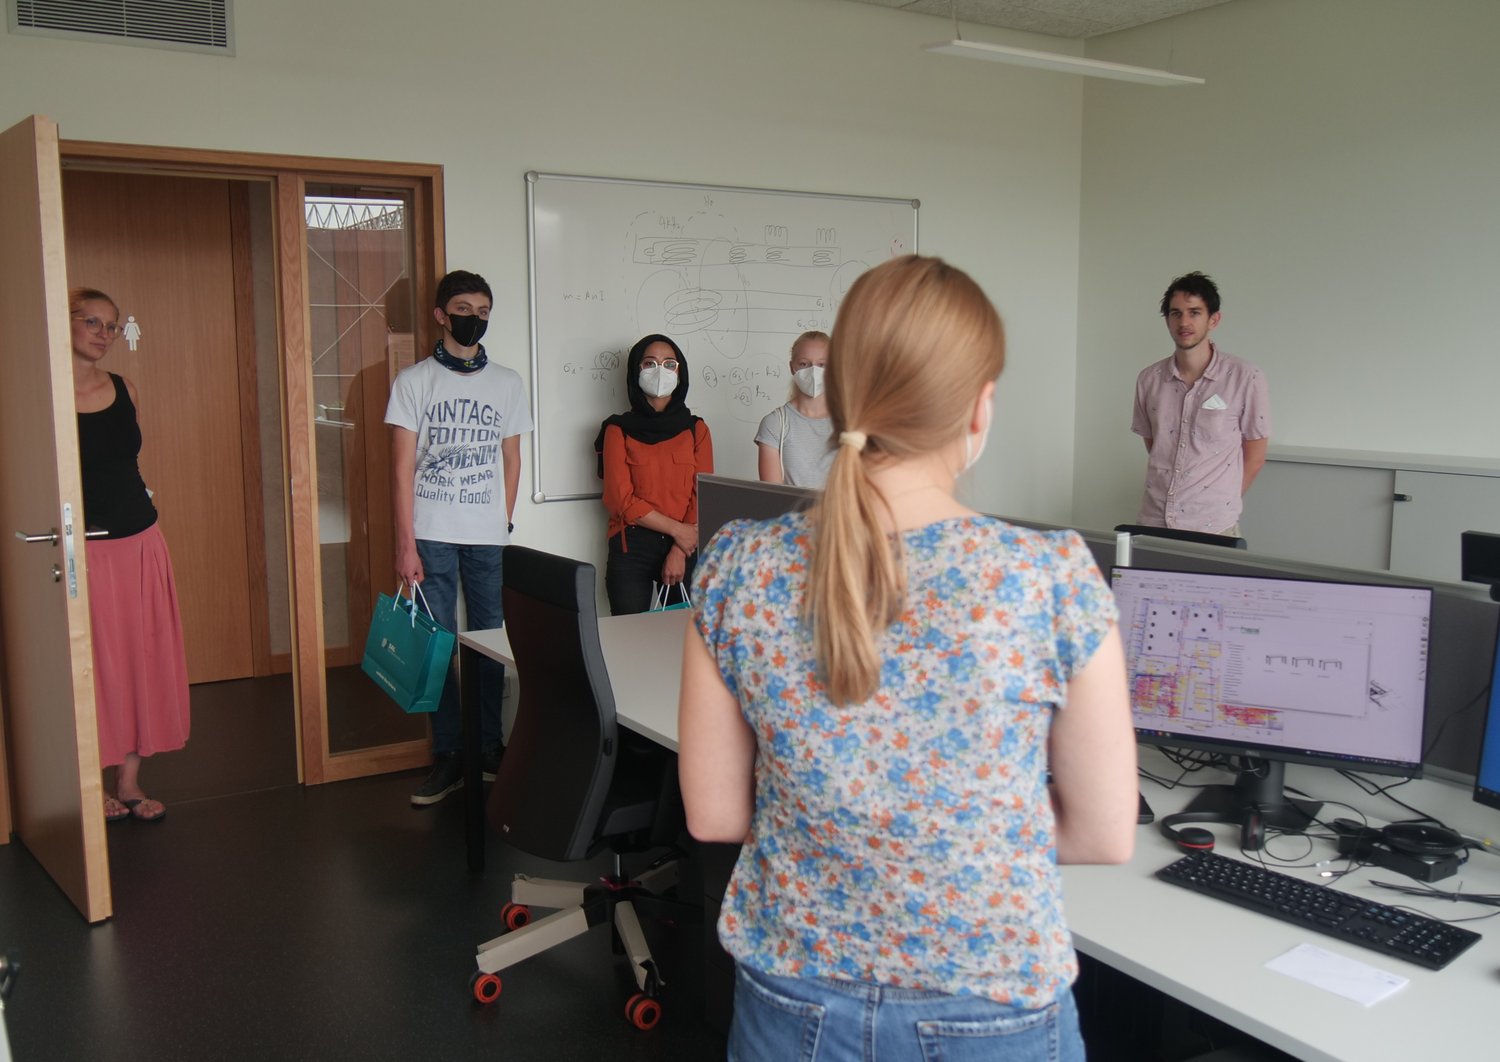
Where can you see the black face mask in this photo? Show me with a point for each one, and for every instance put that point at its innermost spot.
(466, 329)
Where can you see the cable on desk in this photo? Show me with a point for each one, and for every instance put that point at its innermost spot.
(1283, 862)
(1374, 789)
(1484, 844)
(1484, 899)
(1188, 763)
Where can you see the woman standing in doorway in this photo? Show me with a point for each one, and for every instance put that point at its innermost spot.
(873, 697)
(650, 458)
(140, 668)
(794, 439)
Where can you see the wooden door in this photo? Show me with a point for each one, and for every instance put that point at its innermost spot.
(48, 666)
(162, 247)
(326, 754)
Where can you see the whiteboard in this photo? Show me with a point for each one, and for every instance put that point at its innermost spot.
(734, 275)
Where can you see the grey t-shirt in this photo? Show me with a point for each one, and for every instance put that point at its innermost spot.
(803, 442)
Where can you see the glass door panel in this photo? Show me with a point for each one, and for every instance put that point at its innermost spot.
(359, 267)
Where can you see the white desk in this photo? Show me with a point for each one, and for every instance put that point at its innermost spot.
(1212, 955)
(643, 655)
(1207, 953)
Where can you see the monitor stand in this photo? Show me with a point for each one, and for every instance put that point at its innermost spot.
(1257, 788)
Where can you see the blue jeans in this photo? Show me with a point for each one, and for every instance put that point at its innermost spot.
(819, 1019)
(443, 563)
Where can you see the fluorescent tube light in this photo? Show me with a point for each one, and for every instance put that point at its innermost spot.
(1064, 64)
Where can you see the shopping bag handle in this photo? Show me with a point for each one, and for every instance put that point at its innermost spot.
(417, 592)
(664, 595)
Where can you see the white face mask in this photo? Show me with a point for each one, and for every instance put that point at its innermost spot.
(809, 380)
(656, 381)
(971, 451)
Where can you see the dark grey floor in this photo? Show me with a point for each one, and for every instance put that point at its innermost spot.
(244, 734)
(332, 922)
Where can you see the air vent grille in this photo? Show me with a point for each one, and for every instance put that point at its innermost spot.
(198, 25)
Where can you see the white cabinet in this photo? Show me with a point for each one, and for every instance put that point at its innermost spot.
(1341, 507)
(1432, 509)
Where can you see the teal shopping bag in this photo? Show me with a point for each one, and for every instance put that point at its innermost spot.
(661, 597)
(407, 654)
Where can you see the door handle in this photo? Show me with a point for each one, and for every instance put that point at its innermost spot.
(1400, 497)
(51, 536)
(69, 566)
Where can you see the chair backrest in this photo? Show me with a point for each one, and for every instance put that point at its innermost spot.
(554, 778)
(1203, 537)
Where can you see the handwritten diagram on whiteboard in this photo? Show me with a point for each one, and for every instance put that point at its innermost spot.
(734, 275)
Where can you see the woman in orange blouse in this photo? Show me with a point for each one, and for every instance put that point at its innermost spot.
(650, 458)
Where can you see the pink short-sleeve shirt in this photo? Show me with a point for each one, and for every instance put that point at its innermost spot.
(1196, 469)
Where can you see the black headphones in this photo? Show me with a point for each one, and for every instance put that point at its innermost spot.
(1197, 839)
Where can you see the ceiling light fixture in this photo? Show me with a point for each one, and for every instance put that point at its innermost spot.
(1063, 64)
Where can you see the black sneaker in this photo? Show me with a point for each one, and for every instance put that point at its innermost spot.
(447, 775)
(491, 764)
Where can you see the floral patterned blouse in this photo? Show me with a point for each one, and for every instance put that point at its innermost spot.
(906, 841)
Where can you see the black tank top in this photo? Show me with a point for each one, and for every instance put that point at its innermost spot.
(109, 442)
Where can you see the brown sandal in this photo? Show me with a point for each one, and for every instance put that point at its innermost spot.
(114, 810)
(139, 808)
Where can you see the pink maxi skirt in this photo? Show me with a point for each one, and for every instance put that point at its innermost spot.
(140, 668)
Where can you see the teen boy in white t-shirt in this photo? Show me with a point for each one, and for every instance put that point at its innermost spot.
(456, 424)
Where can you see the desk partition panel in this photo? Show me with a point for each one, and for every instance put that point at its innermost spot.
(1464, 619)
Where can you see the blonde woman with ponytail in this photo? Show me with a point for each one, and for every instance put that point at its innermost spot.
(873, 697)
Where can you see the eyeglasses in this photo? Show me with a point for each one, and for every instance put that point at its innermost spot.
(94, 326)
(670, 366)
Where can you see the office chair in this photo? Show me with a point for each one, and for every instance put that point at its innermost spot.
(1202, 537)
(572, 783)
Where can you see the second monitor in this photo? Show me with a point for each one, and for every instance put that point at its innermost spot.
(1275, 671)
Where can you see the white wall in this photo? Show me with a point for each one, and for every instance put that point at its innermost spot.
(1338, 176)
(817, 95)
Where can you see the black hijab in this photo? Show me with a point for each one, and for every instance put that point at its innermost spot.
(642, 423)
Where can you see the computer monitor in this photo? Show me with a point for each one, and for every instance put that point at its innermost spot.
(1276, 671)
(1487, 778)
(1176, 534)
(724, 498)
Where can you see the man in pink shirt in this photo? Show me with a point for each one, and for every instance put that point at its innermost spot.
(1205, 416)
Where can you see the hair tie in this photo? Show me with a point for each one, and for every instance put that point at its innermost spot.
(856, 439)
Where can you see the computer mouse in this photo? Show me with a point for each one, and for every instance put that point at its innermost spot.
(1252, 832)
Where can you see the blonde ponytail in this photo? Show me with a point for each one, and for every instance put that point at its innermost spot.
(899, 321)
(857, 584)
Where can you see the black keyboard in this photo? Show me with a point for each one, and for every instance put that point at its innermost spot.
(1388, 930)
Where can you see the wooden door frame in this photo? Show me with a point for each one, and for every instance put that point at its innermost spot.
(289, 176)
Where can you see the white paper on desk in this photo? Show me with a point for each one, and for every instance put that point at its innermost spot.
(1338, 974)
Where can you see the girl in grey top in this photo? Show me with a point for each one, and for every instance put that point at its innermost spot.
(794, 439)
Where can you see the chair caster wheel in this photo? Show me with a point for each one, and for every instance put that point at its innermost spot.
(485, 986)
(642, 1011)
(515, 915)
